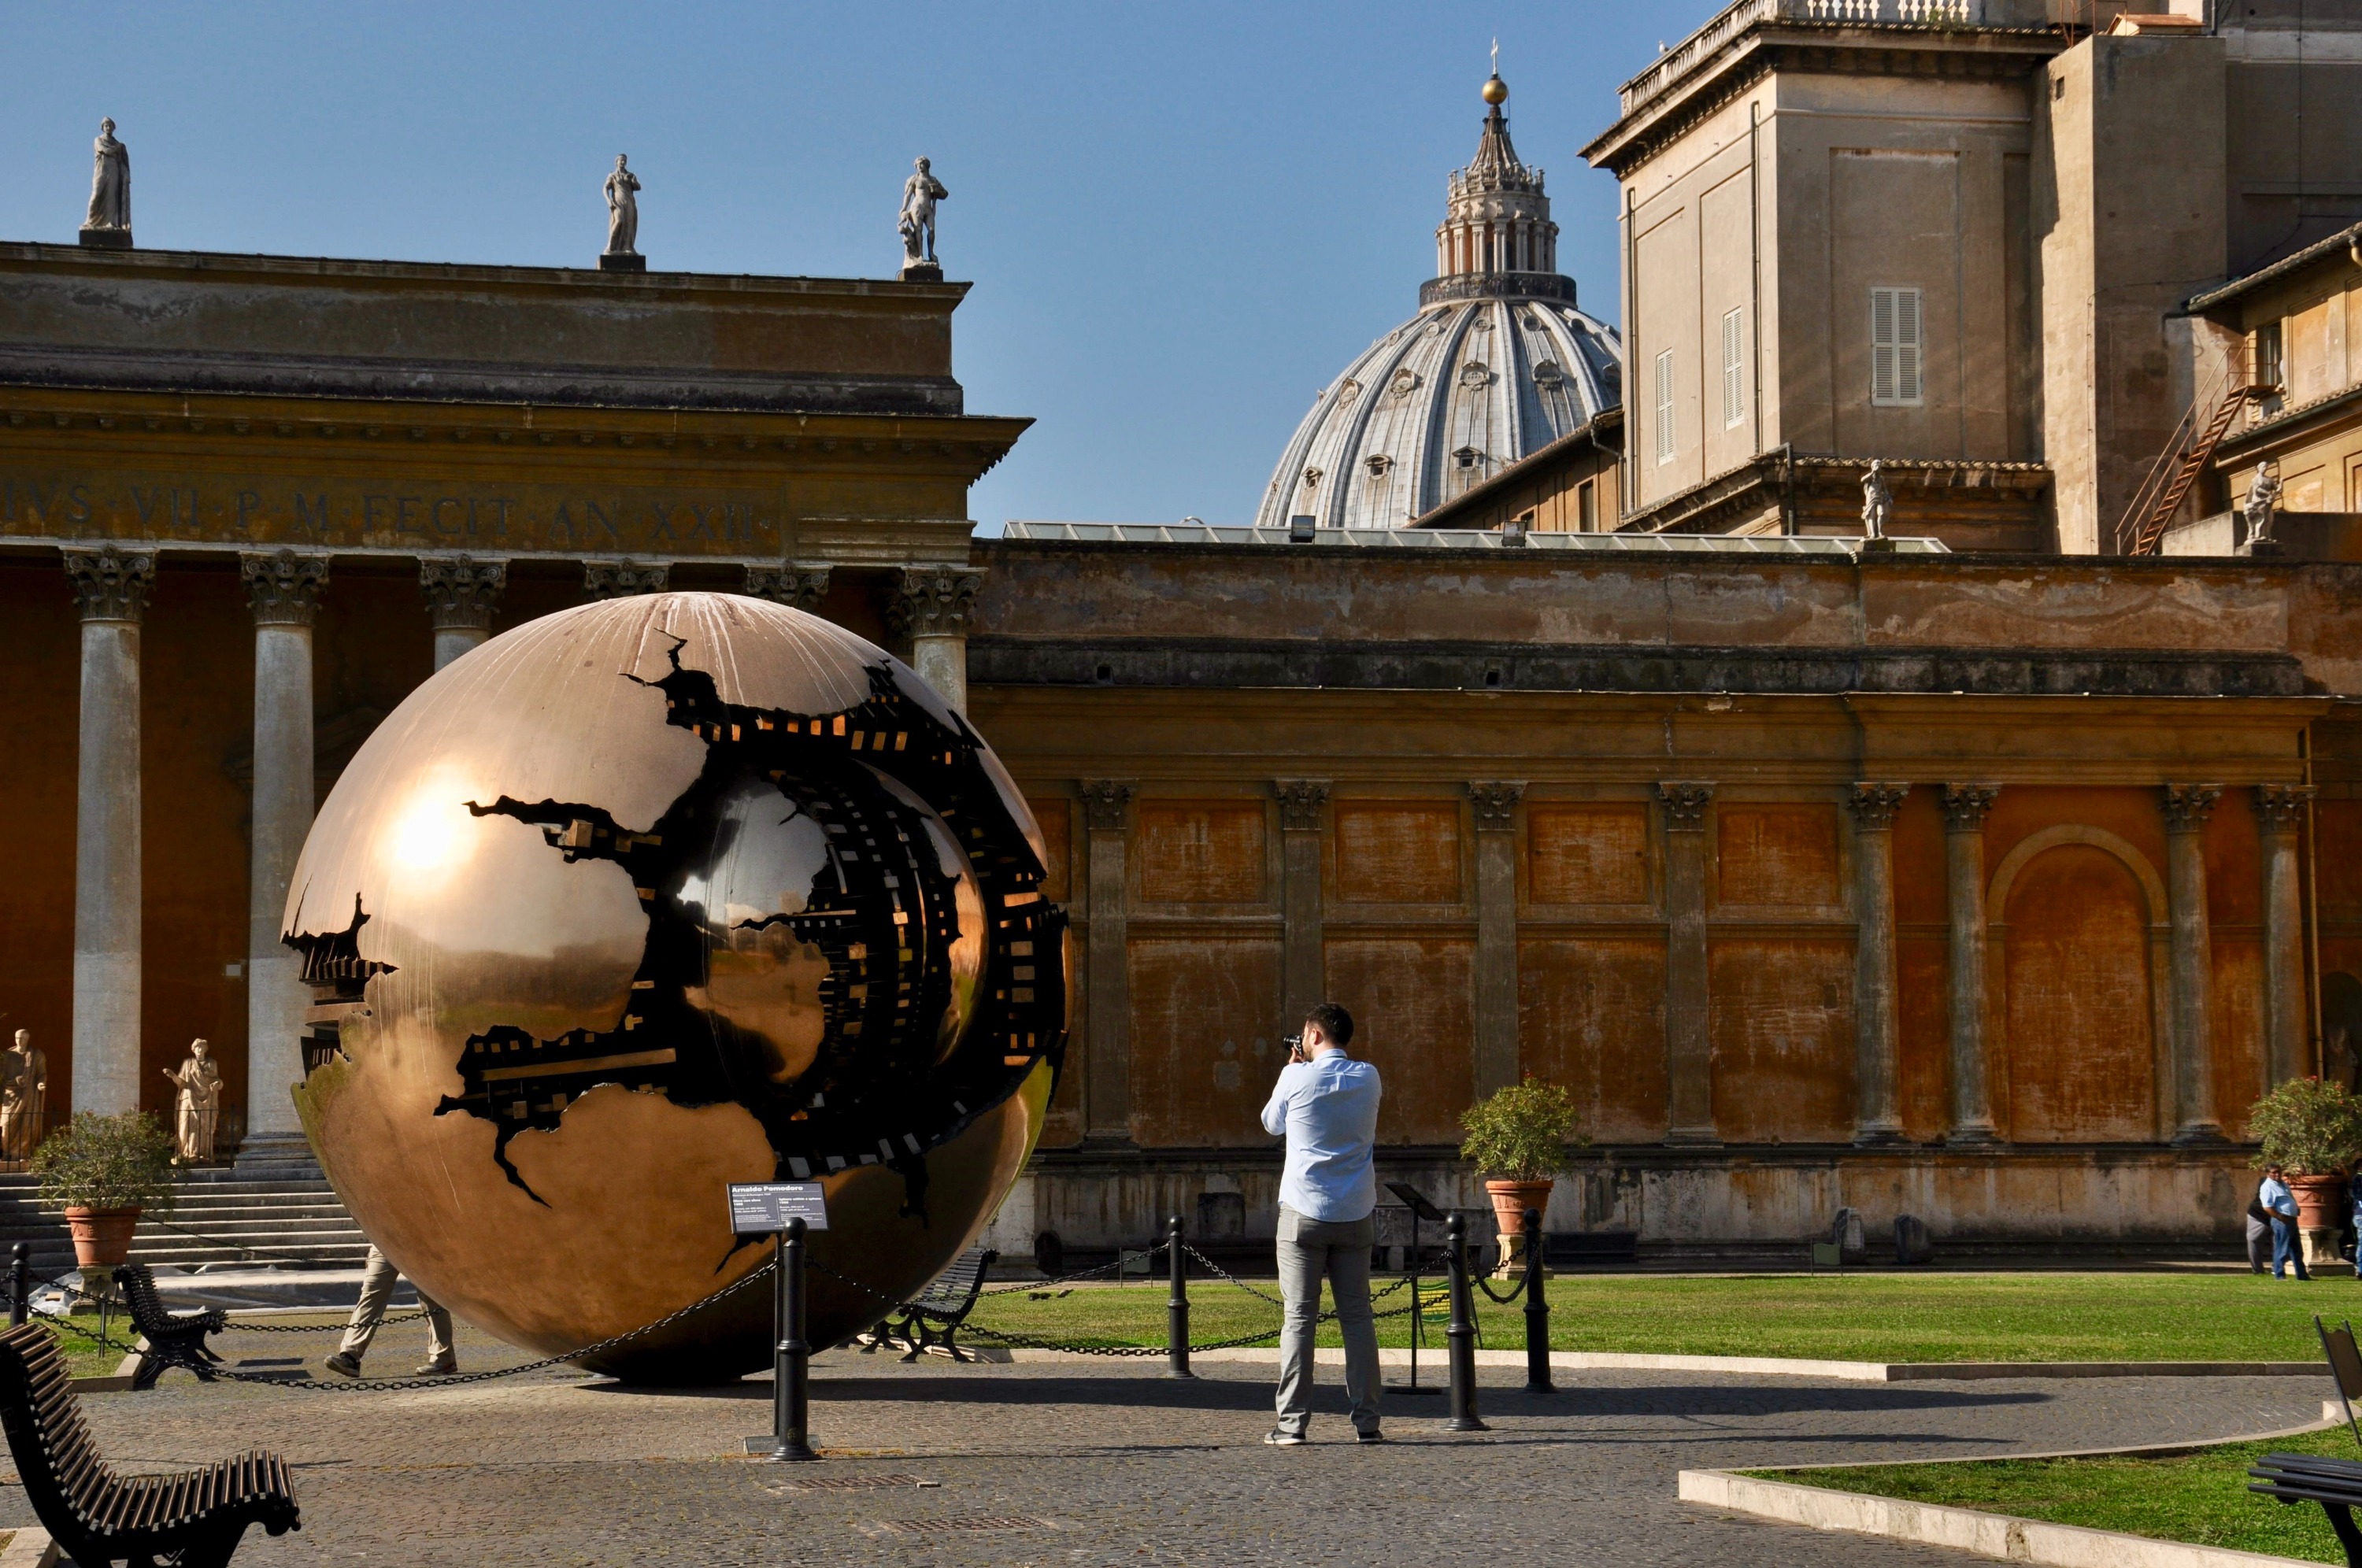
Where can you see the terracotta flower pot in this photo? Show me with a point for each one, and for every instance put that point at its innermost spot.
(102, 1237)
(2319, 1201)
(1510, 1201)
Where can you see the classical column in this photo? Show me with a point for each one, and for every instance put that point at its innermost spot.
(1965, 806)
(1107, 1012)
(1497, 933)
(283, 590)
(933, 610)
(621, 580)
(1304, 984)
(463, 594)
(1876, 1053)
(111, 588)
(2280, 818)
(2187, 807)
(1689, 1049)
(797, 587)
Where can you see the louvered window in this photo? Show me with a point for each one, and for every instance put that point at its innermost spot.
(1665, 407)
(1897, 351)
(1734, 367)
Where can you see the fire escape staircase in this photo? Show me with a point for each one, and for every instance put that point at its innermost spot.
(2155, 508)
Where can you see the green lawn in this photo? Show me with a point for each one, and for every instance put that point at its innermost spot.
(1854, 1317)
(2201, 1497)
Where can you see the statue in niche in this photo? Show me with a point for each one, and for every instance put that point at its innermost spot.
(199, 1081)
(2263, 501)
(623, 209)
(1877, 503)
(110, 184)
(23, 1096)
(921, 192)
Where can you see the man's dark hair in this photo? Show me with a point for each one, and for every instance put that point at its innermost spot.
(1332, 1021)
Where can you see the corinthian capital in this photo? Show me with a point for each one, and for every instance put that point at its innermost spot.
(2280, 807)
(621, 580)
(1685, 803)
(1965, 805)
(1496, 804)
(1107, 803)
(282, 587)
(462, 592)
(1300, 800)
(935, 602)
(2187, 806)
(110, 584)
(1874, 805)
(797, 587)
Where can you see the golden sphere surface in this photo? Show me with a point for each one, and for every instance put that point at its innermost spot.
(1495, 90)
(645, 898)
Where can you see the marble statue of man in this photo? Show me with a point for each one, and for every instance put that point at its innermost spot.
(110, 181)
(921, 192)
(2263, 500)
(1877, 503)
(623, 210)
(23, 1096)
(199, 1082)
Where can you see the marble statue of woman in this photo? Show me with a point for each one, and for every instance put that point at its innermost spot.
(921, 192)
(2263, 498)
(110, 182)
(199, 1081)
(623, 210)
(23, 1096)
(1877, 503)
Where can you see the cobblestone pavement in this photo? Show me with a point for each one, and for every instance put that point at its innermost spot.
(1097, 1463)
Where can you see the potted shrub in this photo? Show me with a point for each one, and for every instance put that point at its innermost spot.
(104, 1171)
(2313, 1131)
(1516, 1138)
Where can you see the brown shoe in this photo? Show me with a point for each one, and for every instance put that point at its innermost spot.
(343, 1366)
(438, 1369)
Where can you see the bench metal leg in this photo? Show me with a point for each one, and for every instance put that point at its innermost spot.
(2341, 1519)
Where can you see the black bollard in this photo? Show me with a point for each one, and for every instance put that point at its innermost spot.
(1538, 1368)
(791, 1364)
(20, 1284)
(1176, 1305)
(1461, 1337)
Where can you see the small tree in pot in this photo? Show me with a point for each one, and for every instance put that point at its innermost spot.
(2313, 1131)
(1517, 1138)
(104, 1171)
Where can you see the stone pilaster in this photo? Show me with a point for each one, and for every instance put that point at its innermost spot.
(282, 588)
(797, 587)
(111, 589)
(932, 609)
(1302, 804)
(1965, 806)
(1497, 933)
(463, 594)
(1689, 1048)
(1107, 1083)
(2187, 809)
(621, 580)
(2280, 812)
(1877, 1058)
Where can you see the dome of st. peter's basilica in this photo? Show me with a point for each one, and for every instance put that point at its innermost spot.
(1497, 364)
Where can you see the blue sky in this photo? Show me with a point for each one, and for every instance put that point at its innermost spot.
(1180, 221)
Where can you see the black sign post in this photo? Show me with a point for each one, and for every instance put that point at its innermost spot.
(788, 1210)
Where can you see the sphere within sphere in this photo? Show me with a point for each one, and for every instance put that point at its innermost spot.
(652, 896)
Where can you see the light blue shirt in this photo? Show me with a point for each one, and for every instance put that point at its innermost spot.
(2277, 1198)
(1329, 1109)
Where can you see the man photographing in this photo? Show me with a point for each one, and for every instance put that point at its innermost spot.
(1326, 1105)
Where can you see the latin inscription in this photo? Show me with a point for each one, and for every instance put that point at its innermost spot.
(269, 511)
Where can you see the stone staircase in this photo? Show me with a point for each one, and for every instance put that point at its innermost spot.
(279, 1213)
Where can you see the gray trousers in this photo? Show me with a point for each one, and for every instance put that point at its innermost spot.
(1339, 1250)
(378, 1277)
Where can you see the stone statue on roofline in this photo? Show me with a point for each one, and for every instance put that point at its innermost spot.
(1877, 502)
(108, 224)
(2263, 501)
(622, 193)
(921, 192)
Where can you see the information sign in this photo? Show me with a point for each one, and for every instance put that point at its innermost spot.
(761, 1207)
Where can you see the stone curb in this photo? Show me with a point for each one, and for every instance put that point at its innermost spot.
(1972, 1529)
(31, 1547)
(1741, 1365)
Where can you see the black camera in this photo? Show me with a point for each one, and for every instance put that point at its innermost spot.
(1294, 1043)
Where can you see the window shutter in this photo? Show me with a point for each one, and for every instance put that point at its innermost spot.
(1665, 407)
(1897, 346)
(1906, 346)
(1881, 346)
(1734, 367)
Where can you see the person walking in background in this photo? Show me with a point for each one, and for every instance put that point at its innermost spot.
(378, 1277)
(2281, 1204)
(1326, 1104)
(2354, 1219)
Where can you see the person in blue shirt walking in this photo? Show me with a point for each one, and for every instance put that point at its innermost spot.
(2281, 1204)
(1326, 1104)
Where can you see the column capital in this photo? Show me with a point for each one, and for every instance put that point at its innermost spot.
(797, 587)
(2280, 807)
(1107, 803)
(1873, 805)
(2187, 806)
(1965, 806)
(1685, 803)
(282, 587)
(621, 580)
(110, 584)
(935, 601)
(1497, 803)
(1301, 802)
(462, 592)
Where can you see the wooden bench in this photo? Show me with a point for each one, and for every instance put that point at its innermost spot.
(929, 1323)
(170, 1339)
(193, 1518)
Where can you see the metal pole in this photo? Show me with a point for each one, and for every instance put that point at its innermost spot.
(1462, 1335)
(1537, 1366)
(791, 1364)
(1176, 1305)
(20, 1284)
